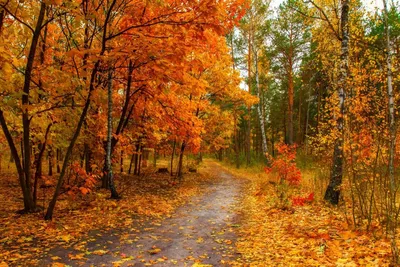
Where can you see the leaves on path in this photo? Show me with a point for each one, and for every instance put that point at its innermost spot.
(24, 238)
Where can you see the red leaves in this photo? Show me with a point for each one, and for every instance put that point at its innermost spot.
(285, 166)
(300, 201)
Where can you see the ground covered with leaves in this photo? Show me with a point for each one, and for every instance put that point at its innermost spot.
(24, 239)
(220, 216)
(306, 235)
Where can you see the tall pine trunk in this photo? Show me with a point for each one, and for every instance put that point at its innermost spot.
(290, 104)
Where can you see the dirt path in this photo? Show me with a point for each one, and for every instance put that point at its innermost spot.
(200, 231)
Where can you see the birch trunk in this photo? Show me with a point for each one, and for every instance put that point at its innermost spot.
(332, 193)
(260, 109)
(392, 143)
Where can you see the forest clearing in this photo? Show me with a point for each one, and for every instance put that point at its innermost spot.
(199, 133)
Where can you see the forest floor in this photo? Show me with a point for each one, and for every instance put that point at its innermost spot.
(156, 222)
(218, 217)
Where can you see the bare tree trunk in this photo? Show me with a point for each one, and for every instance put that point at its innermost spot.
(333, 191)
(392, 143)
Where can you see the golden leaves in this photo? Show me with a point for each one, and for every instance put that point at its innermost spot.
(312, 235)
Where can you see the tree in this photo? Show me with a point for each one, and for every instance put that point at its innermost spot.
(289, 36)
(392, 139)
(333, 190)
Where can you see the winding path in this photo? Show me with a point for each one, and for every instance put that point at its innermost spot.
(200, 231)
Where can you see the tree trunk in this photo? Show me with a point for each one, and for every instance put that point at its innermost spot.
(332, 193)
(121, 164)
(248, 133)
(39, 160)
(88, 158)
(26, 193)
(24, 166)
(136, 170)
(260, 110)
(306, 125)
(392, 143)
(290, 105)
(180, 164)
(140, 157)
(172, 158)
(108, 164)
(50, 158)
(50, 209)
(236, 141)
(68, 154)
(58, 156)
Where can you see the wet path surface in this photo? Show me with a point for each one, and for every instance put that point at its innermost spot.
(200, 231)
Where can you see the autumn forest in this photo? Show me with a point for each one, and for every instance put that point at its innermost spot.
(199, 133)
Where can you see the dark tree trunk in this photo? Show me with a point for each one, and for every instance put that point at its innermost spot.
(39, 160)
(180, 163)
(88, 158)
(58, 156)
(50, 158)
(140, 157)
(172, 158)
(108, 163)
(136, 170)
